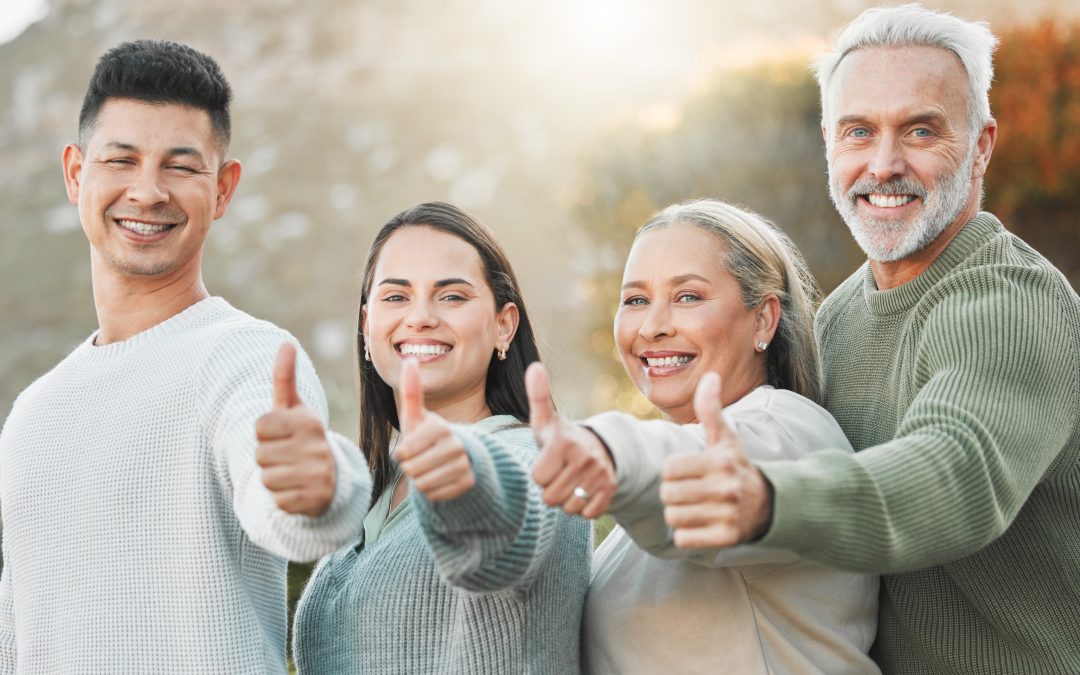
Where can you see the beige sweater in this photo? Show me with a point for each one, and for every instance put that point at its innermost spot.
(655, 608)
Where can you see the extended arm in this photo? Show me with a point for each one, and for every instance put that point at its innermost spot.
(995, 380)
(498, 533)
(7, 623)
(237, 390)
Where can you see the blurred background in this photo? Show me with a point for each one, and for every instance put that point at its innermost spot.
(562, 124)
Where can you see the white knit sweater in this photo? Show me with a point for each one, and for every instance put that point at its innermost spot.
(138, 536)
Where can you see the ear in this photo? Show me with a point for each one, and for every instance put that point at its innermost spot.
(767, 319)
(72, 160)
(227, 179)
(507, 320)
(984, 148)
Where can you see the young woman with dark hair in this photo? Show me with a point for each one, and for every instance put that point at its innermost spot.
(461, 566)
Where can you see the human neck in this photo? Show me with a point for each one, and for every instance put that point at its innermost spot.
(733, 390)
(128, 305)
(890, 274)
(462, 411)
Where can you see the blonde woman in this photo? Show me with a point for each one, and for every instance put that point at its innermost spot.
(709, 289)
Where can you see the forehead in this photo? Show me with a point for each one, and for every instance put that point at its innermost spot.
(884, 81)
(420, 253)
(152, 126)
(673, 250)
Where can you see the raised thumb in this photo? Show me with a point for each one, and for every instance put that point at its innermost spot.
(412, 395)
(285, 395)
(538, 389)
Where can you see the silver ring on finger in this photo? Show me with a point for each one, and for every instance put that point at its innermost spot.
(582, 494)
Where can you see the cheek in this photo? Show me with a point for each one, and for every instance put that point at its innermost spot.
(625, 330)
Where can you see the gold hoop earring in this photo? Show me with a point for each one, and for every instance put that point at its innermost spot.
(500, 354)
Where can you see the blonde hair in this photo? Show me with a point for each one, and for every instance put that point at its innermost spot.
(764, 262)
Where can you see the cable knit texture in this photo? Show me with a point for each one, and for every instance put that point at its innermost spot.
(138, 536)
(490, 582)
(960, 392)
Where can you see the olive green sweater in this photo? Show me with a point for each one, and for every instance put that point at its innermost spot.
(960, 392)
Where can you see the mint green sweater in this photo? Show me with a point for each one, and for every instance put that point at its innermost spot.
(960, 392)
(491, 582)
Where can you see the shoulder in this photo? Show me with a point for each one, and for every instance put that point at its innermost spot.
(508, 430)
(850, 290)
(780, 424)
(1005, 274)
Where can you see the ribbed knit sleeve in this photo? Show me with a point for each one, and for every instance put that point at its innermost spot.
(7, 623)
(771, 424)
(236, 390)
(499, 533)
(993, 377)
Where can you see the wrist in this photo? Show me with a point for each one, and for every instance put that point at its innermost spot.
(763, 509)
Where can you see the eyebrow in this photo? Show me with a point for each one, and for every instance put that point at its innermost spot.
(675, 281)
(172, 152)
(934, 117)
(438, 284)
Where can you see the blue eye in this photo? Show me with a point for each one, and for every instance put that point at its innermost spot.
(860, 133)
(687, 297)
(635, 301)
(922, 132)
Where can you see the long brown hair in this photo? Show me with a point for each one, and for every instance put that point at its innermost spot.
(505, 385)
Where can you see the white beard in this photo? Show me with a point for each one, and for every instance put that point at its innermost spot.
(891, 239)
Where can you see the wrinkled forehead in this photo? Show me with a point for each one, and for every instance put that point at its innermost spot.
(882, 80)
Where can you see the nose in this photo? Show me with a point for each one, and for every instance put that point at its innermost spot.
(657, 323)
(421, 315)
(146, 187)
(887, 161)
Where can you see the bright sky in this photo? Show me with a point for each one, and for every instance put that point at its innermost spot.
(16, 15)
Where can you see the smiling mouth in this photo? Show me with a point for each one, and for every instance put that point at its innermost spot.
(888, 201)
(413, 349)
(657, 366)
(145, 229)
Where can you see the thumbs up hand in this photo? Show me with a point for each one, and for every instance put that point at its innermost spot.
(716, 497)
(430, 455)
(297, 465)
(574, 467)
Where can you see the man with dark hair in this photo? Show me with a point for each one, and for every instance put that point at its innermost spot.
(138, 533)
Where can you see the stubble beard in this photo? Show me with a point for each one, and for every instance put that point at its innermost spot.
(892, 239)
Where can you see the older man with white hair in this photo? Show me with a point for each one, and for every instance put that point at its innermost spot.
(952, 363)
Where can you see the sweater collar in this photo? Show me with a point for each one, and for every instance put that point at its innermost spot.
(193, 315)
(973, 235)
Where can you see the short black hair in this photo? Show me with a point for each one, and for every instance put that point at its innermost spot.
(157, 71)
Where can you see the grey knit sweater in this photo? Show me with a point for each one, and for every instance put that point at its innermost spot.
(138, 537)
(491, 582)
(960, 392)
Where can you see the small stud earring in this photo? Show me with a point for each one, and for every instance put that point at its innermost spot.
(367, 354)
(762, 345)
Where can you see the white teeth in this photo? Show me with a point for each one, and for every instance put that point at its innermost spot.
(142, 228)
(889, 201)
(423, 350)
(667, 361)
